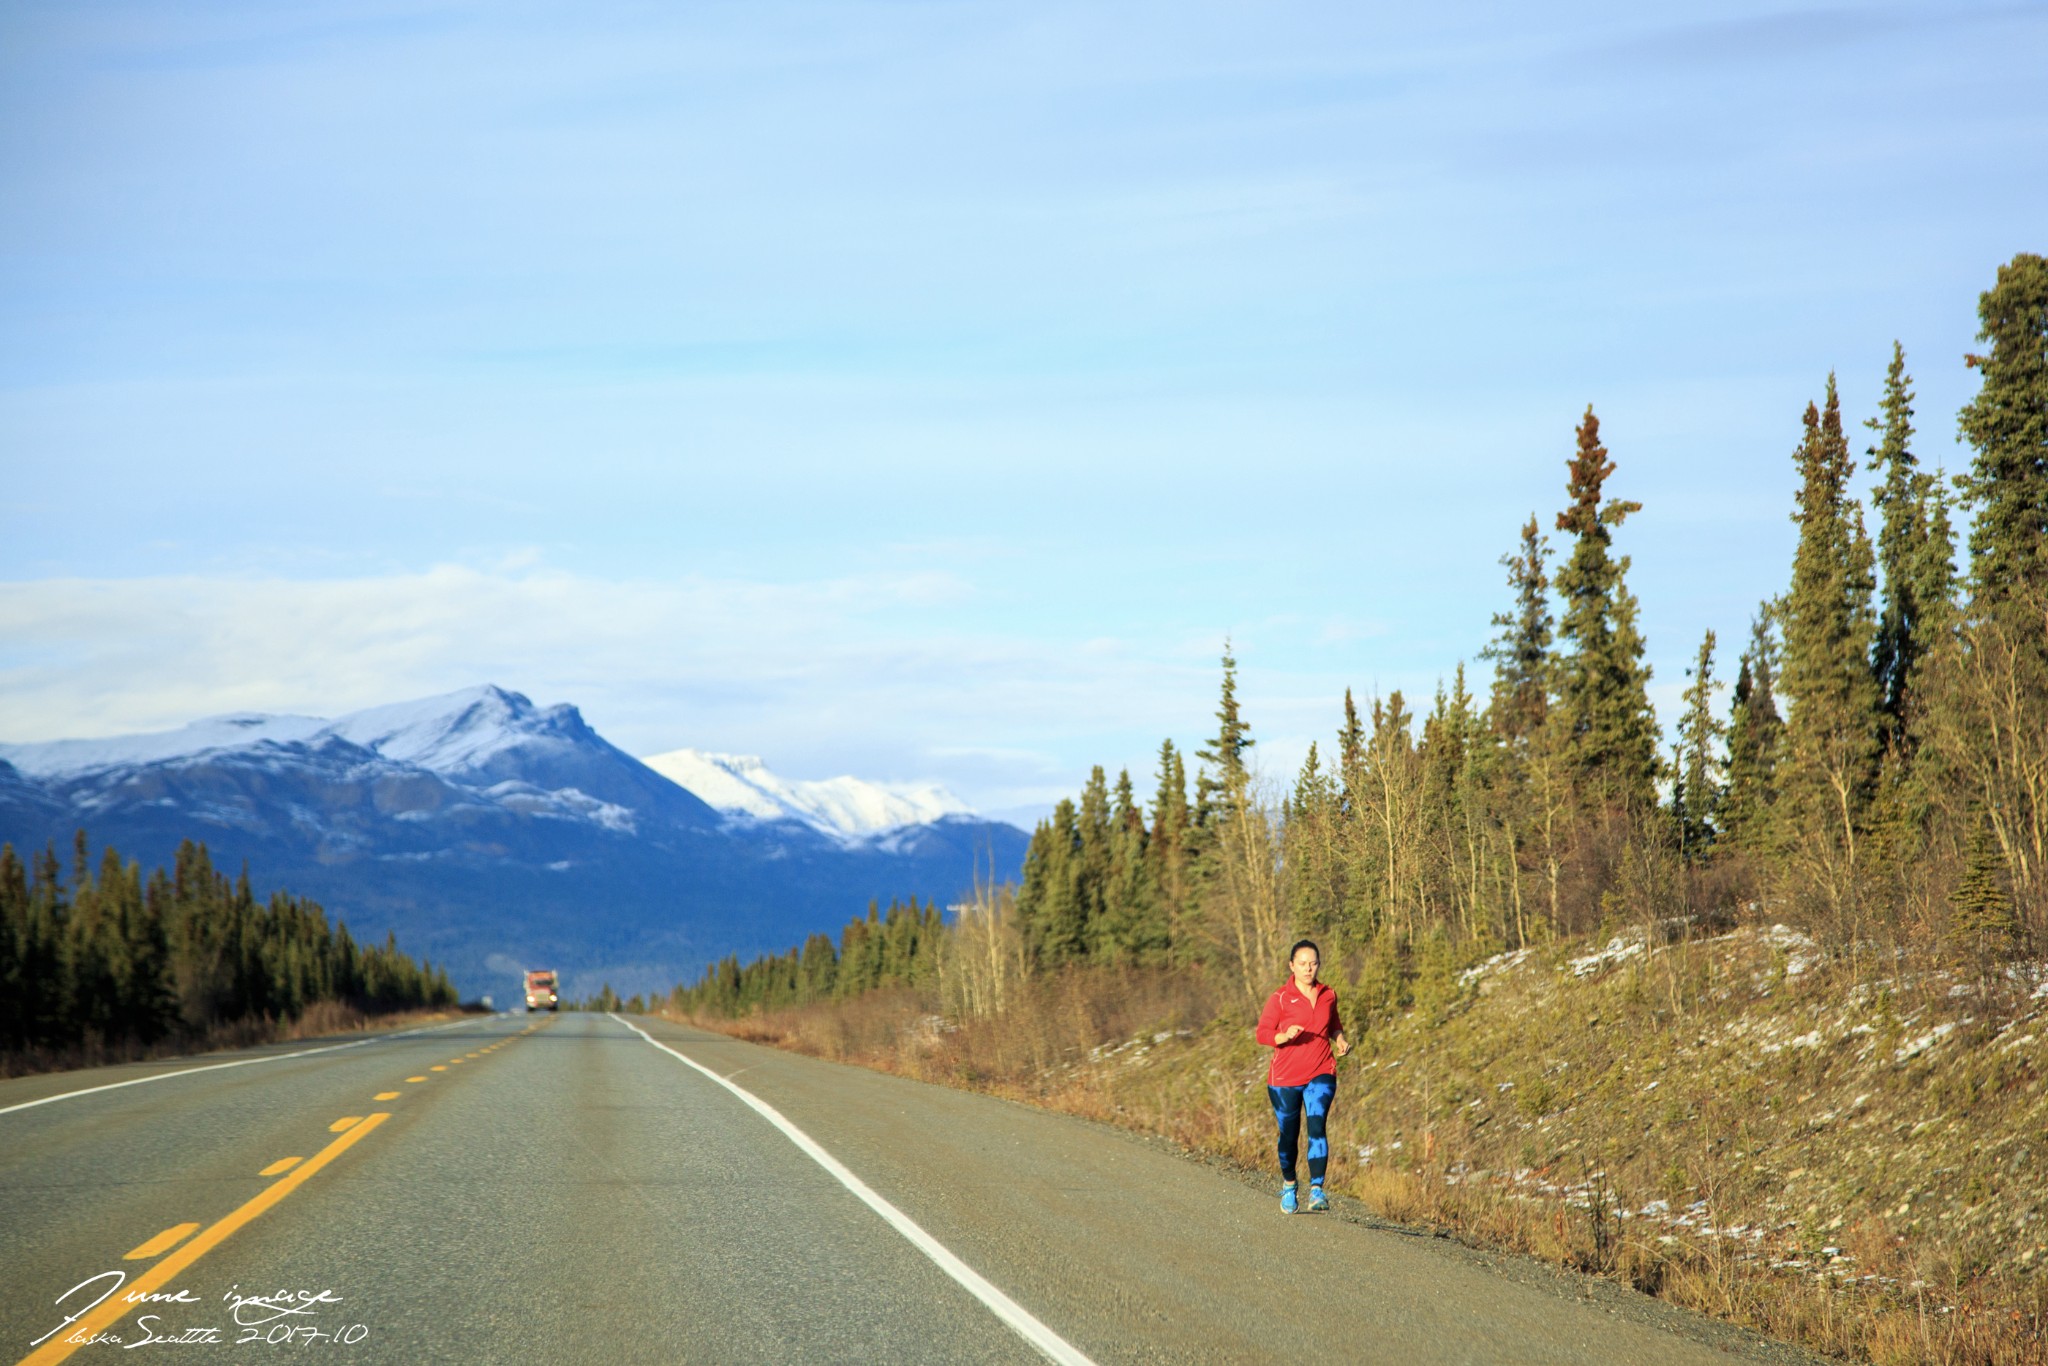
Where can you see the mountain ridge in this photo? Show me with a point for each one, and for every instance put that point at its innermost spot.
(487, 831)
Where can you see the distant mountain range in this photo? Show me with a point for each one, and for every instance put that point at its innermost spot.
(493, 835)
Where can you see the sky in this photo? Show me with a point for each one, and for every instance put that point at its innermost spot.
(928, 390)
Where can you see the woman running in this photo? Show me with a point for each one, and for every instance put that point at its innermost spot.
(1301, 1025)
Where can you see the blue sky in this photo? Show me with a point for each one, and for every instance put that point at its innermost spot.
(924, 390)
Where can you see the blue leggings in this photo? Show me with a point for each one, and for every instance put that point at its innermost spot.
(1290, 1103)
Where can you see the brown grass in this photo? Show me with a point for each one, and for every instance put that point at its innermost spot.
(1822, 1182)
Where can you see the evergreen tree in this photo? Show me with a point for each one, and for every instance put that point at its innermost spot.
(1521, 651)
(1093, 858)
(1832, 726)
(1223, 786)
(1350, 754)
(2007, 423)
(1167, 850)
(1696, 793)
(1755, 740)
(1609, 730)
(1984, 923)
(1138, 929)
(1915, 550)
(1051, 910)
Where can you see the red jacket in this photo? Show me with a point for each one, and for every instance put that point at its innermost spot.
(1307, 1055)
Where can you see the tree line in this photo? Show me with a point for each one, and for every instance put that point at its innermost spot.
(114, 957)
(1879, 771)
(896, 948)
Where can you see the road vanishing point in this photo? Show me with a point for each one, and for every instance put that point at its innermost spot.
(597, 1188)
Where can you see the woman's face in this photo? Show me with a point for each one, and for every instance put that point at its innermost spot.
(1305, 964)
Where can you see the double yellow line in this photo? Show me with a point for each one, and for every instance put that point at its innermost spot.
(291, 1172)
(116, 1306)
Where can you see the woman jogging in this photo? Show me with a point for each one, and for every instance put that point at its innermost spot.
(1301, 1025)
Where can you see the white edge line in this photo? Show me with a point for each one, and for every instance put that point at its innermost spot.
(216, 1066)
(1019, 1319)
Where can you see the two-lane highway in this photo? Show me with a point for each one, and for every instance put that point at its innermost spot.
(596, 1189)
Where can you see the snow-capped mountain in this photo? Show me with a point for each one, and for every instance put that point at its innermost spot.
(847, 809)
(493, 748)
(488, 831)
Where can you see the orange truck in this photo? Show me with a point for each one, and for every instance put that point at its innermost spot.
(540, 990)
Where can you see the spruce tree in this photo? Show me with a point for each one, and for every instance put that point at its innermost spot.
(1696, 781)
(1915, 551)
(1167, 851)
(1609, 730)
(1093, 858)
(1832, 725)
(1136, 923)
(1755, 738)
(1984, 923)
(2007, 424)
(1350, 755)
(1224, 786)
(1521, 652)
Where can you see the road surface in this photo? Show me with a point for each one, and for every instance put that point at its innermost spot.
(585, 1188)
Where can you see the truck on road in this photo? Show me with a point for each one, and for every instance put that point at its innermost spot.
(540, 990)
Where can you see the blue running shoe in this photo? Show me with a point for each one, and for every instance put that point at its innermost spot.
(1289, 1199)
(1318, 1203)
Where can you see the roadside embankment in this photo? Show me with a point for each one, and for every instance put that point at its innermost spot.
(1841, 1150)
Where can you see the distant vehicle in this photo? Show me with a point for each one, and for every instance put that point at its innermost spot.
(540, 990)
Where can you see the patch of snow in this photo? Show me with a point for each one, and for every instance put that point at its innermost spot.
(844, 808)
(1800, 950)
(1913, 1048)
(1619, 949)
(449, 733)
(67, 758)
(1499, 963)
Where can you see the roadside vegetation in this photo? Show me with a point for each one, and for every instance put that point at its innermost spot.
(113, 966)
(1752, 1023)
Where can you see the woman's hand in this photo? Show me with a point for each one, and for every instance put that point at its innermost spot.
(1287, 1035)
(1340, 1046)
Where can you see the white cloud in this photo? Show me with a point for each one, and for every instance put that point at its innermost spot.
(885, 676)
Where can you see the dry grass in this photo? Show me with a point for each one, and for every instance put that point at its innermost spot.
(1843, 1151)
(320, 1020)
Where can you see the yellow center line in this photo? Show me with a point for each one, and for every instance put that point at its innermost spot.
(163, 1242)
(438, 1067)
(283, 1164)
(115, 1307)
(345, 1122)
(385, 1095)
(415, 1078)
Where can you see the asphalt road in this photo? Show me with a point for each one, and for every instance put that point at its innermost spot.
(571, 1189)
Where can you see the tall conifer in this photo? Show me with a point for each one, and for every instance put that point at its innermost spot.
(1832, 724)
(1224, 785)
(1609, 730)
(1915, 551)
(1755, 739)
(1521, 651)
(1696, 785)
(2007, 423)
